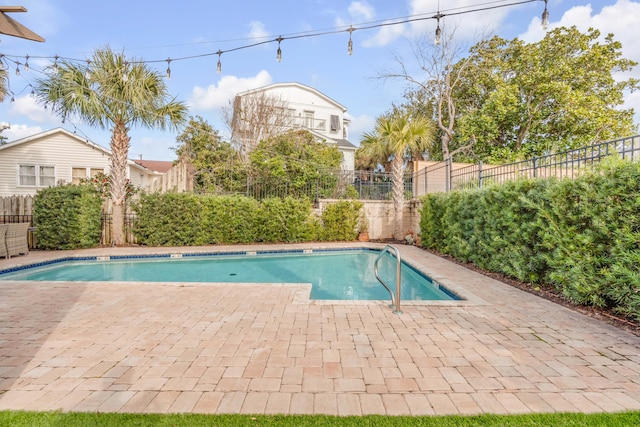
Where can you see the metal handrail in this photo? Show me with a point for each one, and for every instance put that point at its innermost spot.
(395, 300)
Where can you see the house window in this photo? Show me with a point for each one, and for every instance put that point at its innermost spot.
(36, 176)
(28, 175)
(308, 119)
(335, 123)
(78, 174)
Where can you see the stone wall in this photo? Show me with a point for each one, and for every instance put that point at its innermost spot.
(381, 217)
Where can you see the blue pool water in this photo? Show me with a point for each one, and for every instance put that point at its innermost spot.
(334, 275)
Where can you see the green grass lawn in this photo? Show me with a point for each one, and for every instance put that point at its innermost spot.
(22, 418)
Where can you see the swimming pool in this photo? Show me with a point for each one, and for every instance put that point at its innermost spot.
(334, 274)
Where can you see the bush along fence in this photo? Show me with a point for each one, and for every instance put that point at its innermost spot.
(581, 236)
(70, 217)
(185, 219)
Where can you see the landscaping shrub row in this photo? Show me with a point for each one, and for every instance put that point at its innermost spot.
(185, 219)
(581, 236)
(68, 217)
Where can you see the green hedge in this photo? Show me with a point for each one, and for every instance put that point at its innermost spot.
(185, 219)
(67, 217)
(581, 236)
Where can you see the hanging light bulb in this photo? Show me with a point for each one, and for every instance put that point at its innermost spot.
(279, 53)
(438, 38)
(350, 43)
(55, 64)
(17, 68)
(87, 72)
(168, 68)
(26, 63)
(545, 17)
(125, 73)
(219, 66)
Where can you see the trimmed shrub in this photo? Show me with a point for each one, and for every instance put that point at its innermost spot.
(581, 236)
(67, 217)
(340, 220)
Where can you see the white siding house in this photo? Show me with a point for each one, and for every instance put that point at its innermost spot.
(57, 156)
(307, 108)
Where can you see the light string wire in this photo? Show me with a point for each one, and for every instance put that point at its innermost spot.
(15, 59)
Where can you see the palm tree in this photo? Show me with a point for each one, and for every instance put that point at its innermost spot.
(4, 83)
(112, 93)
(398, 135)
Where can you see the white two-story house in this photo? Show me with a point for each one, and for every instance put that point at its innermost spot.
(265, 111)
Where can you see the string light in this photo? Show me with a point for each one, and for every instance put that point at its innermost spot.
(545, 17)
(18, 68)
(26, 63)
(364, 26)
(438, 39)
(279, 54)
(125, 72)
(219, 66)
(87, 72)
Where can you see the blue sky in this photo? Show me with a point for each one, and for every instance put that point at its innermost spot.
(155, 31)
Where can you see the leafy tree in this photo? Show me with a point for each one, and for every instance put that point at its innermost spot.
(398, 135)
(113, 93)
(217, 166)
(293, 163)
(560, 93)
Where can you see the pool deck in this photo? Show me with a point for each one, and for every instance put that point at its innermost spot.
(268, 349)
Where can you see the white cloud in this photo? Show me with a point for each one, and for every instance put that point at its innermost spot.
(216, 97)
(361, 11)
(17, 131)
(359, 125)
(385, 36)
(257, 30)
(483, 22)
(27, 106)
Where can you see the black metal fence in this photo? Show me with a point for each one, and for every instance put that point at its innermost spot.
(107, 229)
(366, 185)
(568, 164)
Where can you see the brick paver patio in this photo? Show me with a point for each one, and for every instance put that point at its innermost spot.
(268, 349)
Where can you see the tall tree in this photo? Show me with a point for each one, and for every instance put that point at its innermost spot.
(217, 165)
(4, 83)
(113, 93)
(432, 86)
(254, 117)
(398, 135)
(521, 99)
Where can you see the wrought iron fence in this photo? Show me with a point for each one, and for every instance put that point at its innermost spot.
(366, 185)
(568, 164)
(107, 229)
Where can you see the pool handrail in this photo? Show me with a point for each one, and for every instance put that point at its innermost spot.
(395, 300)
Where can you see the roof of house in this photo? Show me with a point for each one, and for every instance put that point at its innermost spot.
(72, 135)
(161, 166)
(298, 85)
(345, 144)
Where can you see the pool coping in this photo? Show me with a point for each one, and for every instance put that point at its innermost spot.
(456, 290)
